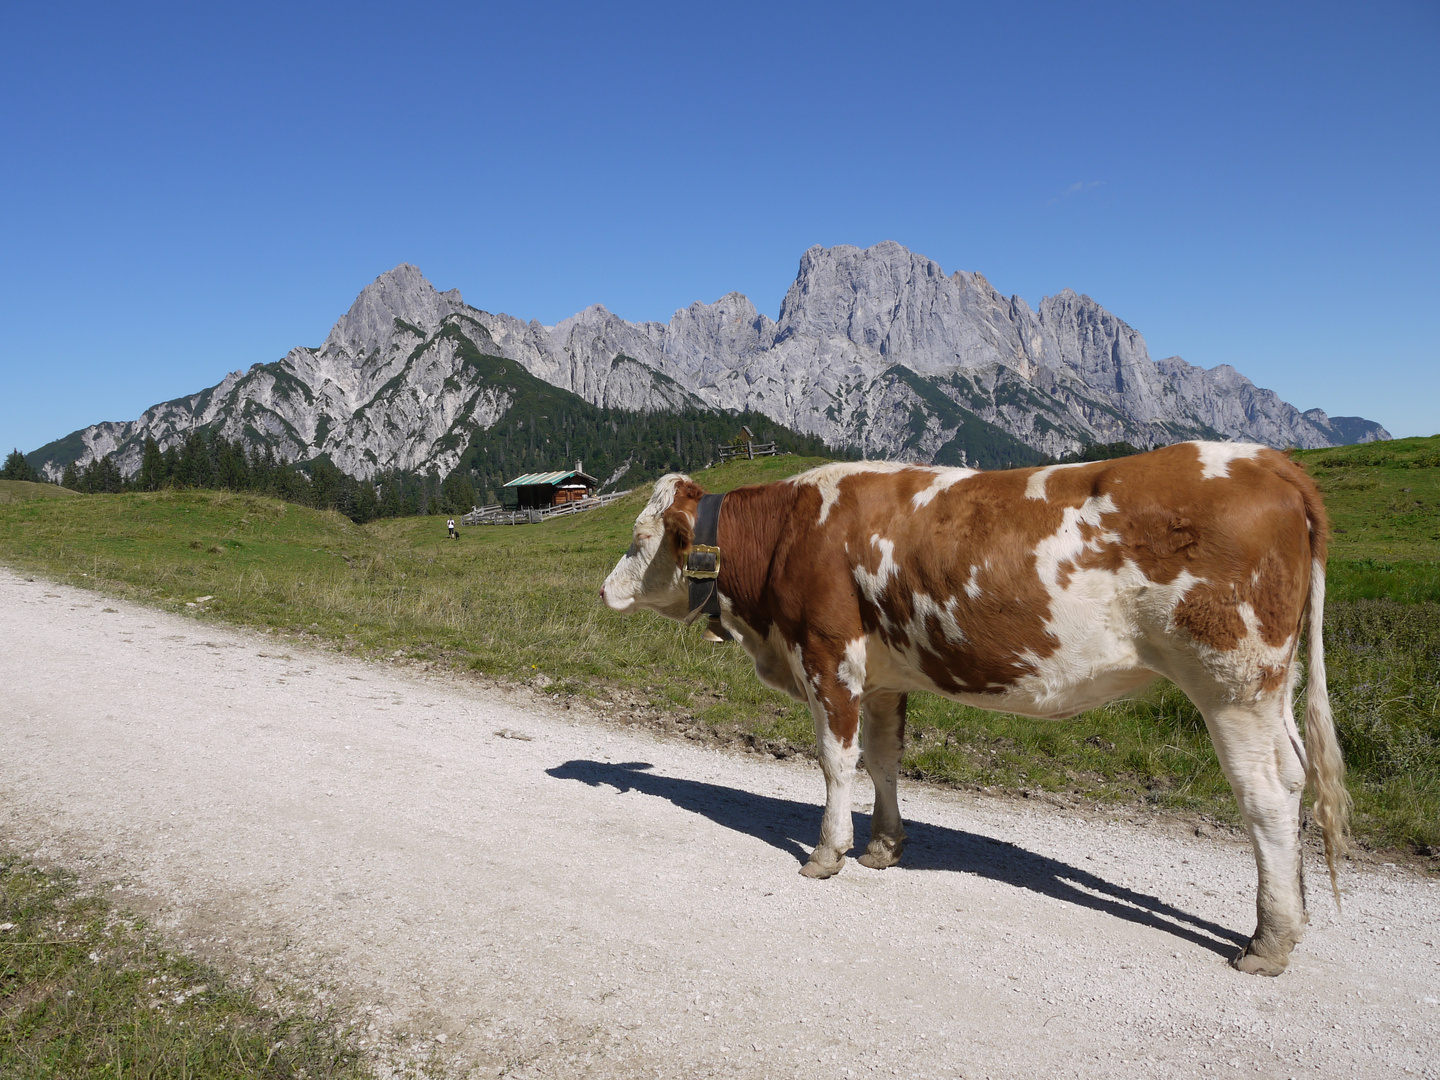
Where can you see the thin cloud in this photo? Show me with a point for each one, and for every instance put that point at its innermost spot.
(1075, 189)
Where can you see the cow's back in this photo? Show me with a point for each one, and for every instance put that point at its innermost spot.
(1015, 588)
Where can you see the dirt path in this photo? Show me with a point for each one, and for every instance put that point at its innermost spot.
(571, 899)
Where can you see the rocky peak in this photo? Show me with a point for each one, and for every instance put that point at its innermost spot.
(902, 305)
(1102, 349)
(402, 293)
(730, 327)
(853, 292)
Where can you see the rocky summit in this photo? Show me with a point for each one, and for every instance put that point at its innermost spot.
(874, 348)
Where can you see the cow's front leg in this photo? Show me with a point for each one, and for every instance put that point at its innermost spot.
(884, 742)
(837, 721)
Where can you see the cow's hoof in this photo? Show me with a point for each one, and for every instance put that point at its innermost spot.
(882, 853)
(821, 869)
(1252, 963)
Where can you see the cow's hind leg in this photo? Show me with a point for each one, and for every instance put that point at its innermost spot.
(1261, 761)
(884, 742)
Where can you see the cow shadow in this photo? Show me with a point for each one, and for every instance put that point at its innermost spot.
(793, 827)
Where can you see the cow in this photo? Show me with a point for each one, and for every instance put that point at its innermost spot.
(1041, 591)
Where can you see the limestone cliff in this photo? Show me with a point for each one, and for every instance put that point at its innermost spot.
(875, 348)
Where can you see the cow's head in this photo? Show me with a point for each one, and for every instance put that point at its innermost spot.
(648, 575)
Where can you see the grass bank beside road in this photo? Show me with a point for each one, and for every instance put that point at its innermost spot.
(87, 993)
(520, 603)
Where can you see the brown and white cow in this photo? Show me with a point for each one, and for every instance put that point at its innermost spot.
(1044, 592)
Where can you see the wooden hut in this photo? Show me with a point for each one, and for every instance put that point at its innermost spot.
(539, 491)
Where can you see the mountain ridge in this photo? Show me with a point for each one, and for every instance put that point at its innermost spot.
(865, 341)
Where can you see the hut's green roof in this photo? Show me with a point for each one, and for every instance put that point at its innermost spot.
(555, 479)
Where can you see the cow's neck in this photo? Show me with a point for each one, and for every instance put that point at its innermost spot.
(750, 524)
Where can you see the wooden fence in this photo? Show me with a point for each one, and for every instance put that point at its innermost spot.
(497, 514)
(748, 450)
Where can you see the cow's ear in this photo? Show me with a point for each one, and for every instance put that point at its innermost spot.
(680, 528)
(679, 517)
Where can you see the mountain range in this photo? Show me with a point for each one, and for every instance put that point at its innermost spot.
(875, 349)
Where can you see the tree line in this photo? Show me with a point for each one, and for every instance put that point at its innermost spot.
(637, 446)
(206, 460)
(1095, 452)
(645, 444)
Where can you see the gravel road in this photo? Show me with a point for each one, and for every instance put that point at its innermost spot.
(504, 884)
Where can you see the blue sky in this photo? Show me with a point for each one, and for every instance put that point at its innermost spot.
(188, 190)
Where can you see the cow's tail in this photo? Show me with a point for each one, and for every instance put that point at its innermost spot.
(1325, 765)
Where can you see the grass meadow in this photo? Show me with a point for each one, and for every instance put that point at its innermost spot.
(519, 603)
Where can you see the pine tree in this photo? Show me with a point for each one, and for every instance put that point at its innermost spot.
(262, 470)
(195, 468)
(326, 485)
(365, 507)
(231, 471)
(392, 496)
(101, 477)
(152, 466)
(71, 478)
(457, 493)
(17, 468)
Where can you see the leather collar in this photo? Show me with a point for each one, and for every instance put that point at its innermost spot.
(702, 565)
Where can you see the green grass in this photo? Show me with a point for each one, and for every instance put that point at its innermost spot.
(1383, 498)
(87, 993)
(511, 602)
(520, 602)
(13, 491)
(1406, 581)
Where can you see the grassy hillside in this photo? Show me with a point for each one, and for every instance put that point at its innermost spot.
(1384, 502)
(13, 491)
(520, 603)
(513, 602)
(1382, 630)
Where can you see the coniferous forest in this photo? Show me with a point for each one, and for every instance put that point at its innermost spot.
(621, 449)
